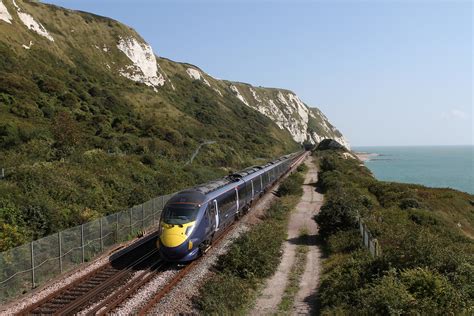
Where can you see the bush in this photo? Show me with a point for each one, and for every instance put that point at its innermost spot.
(344, 241)
(409, 203)
(291, 185)
(339, 212)
(9, 135)
(433, 292)
(222, 294)
(387, 296)
(255, 255)
(66, 132)
(302, 168)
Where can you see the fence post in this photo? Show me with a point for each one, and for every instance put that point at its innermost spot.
(2, 175)
(116, 228)
(154, 211)
(131, 210)
(101, 236)
(60, 253)
(32, 266)
(143, 217)
(82, 242)
(162, 201)
(377, 247)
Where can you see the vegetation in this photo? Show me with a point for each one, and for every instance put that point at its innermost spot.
(252, 257)
(79, 141)
(427, 260)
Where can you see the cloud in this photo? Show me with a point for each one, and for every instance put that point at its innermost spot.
(455, 114)
(458, 114)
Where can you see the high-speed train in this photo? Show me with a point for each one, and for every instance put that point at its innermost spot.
(193, 218)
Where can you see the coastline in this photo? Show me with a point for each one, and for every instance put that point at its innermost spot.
(431, 166)
(364, 156)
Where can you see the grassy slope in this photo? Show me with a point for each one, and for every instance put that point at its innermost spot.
(79, 141)
(427, 261)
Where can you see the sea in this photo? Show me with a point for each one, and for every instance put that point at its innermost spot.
(433, 166)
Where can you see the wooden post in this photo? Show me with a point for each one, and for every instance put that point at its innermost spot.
(143, 217)
(101, 236)
(33, 284)
(82, 243)
(60, 253)
(154, 211)
(131, 209)
(116, 228)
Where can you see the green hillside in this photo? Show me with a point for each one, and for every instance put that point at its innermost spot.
(93, 122)
(78, 140)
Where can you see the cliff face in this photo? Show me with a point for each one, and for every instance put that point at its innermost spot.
(285, 108)
(78, 39)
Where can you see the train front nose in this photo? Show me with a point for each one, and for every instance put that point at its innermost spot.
(174, 244)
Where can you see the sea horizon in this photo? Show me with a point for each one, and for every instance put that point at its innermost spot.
(353, 147)
(438, 166)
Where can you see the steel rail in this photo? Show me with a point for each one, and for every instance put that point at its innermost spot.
(82, 282)
(130, 288)
(85, 299)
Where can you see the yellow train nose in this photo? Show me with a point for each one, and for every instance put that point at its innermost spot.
(174, 235)
(169, 239)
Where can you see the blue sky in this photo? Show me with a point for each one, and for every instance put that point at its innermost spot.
(384, 72)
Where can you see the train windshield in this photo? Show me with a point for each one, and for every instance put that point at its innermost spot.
(177, 214)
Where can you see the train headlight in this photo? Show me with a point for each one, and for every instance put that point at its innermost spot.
(189, 230)
(190, 245)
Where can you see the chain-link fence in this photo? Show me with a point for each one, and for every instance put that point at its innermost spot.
(371, 243)
(30, 265)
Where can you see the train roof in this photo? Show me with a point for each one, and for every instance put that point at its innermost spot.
(188, 196)
(213, 185)
(199, 192)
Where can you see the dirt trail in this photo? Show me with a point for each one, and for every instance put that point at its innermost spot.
(301, 218)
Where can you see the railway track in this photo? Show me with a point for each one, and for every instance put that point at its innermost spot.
(112, 302)
(93, 286)
(148, 307)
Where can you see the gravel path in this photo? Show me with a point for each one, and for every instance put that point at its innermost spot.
(301, 218)
(311, 202)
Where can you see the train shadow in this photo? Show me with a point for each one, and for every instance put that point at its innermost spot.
(140, 255)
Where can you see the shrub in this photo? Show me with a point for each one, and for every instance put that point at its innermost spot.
(344, 241)
(340, 212)
(302, 168)
(423, 217)
(409, 203)
(387, 296)
(65, 131)
(223, 293)
(433, 292)
(291, 185)
(9, 135)
(254, 255)
(340, 286)
(10, 236)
